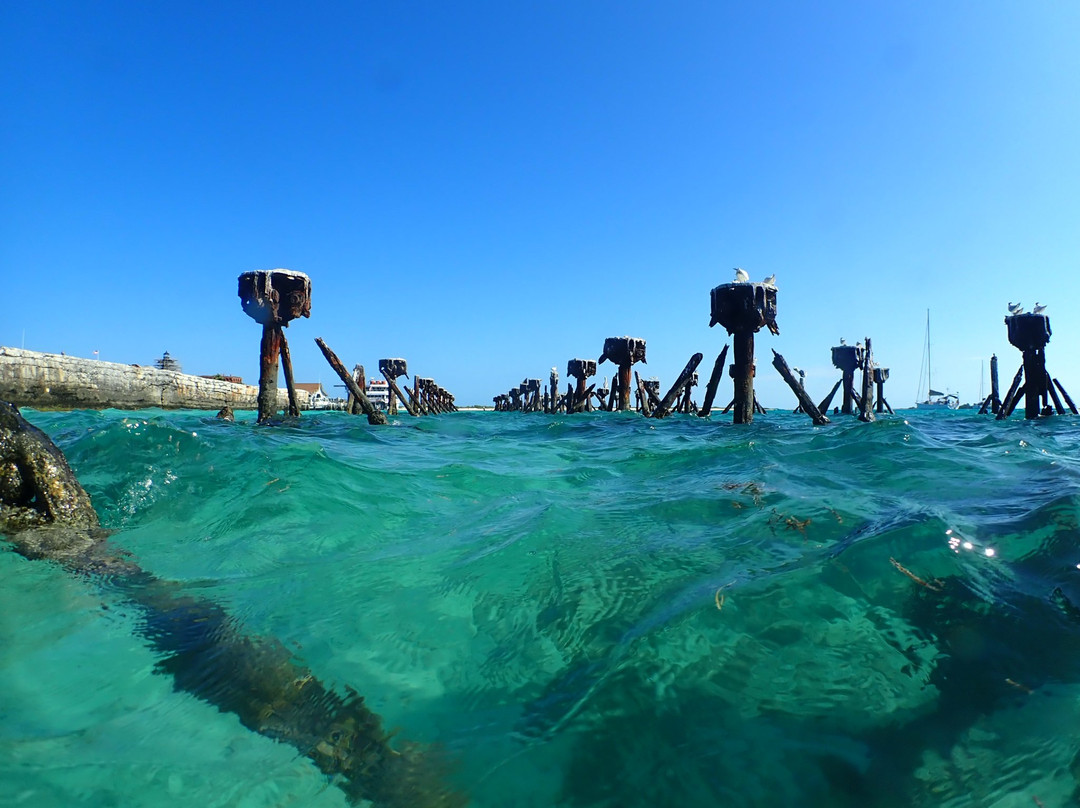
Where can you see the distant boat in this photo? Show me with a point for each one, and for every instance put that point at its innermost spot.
(935, 399)
(378, 392)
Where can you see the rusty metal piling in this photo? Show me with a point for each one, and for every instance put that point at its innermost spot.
(272, 298)
(624, 352)
(743, 308)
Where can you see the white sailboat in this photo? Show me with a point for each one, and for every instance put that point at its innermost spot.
(935, 399)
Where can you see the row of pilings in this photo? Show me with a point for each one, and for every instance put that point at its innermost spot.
(275, 297)
(743, 308)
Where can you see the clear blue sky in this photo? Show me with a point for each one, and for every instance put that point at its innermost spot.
(490, 189)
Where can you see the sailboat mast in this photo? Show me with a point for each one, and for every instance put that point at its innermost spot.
(929, 363)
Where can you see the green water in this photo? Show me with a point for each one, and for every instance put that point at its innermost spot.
(592, 611)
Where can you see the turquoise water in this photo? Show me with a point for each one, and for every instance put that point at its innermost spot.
(600, 610)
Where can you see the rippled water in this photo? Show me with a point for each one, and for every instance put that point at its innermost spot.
(592, 611)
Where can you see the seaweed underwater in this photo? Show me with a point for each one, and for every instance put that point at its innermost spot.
(46, 515)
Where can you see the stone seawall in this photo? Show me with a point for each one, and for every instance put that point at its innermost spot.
(54, 381)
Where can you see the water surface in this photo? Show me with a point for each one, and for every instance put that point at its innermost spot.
(599, 610)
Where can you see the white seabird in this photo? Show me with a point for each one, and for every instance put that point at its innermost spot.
(770, 281)
(1015, 308)
(741, 275)
(843, 341)
(1038, 309)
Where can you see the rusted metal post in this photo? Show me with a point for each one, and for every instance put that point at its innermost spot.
(273, 297)
(582, 404)
(743, 357)
(714, 382)
(374, 415)
(796, 385)
(743, 308)
(1053, 394)
(643, 396)
(680, 384)
(881, 375)
(624, 352)
(825, 402)
(847, 359)
(554, 385)
(580, 369)
(286, 367)
(601, 395)
(269, 351)
(1030, 333)
(687, 402)
(392, 370)
(1011, 397)
(995, 402)
(1068, 400)
(866, 402)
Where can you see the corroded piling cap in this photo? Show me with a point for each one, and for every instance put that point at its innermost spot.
(275, 296)
(651, 384)
(581, 368)
(847, 357)
(881, 375)
(530, 386)
(623, 351)
(1028, 331)
(394, 368)
(741, 307)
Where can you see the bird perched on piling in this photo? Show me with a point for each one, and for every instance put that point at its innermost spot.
(843, 341)
(1038, 309)
(1015, 308)
(770, 281)
(741, 275)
